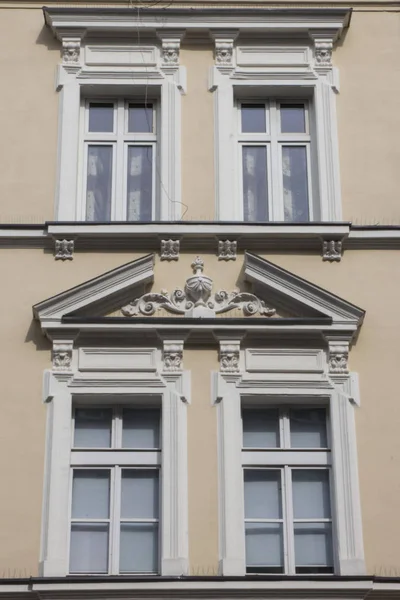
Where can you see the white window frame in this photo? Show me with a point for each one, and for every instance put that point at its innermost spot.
(114, 459)
(116, 78)
(292, 387)
(271, 74)
(120, 140)
(284, 459)
(274, 141)
(97, 387)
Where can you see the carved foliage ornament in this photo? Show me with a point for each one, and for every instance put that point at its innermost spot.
(197, 294)
(170, 249)
(64, 250)
(227, 250)
(332, 250)
(173, 356)
(170, 53)
(62, 357)
(229, 357)
(71, 52)
(338, 358)
(224, 53)
(323, 53)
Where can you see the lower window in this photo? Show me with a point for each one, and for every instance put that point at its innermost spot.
(115, 463)
(288, 516)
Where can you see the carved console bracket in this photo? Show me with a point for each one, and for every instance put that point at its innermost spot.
(170, 47)
(224, 41)
(170, 249)
(172, 356)
(64, 250)
(338, 357)
(71, 53)
(195, 299)
(227, 250)
(323, 47)
(229, 355)
(332, 250)
(62, 356)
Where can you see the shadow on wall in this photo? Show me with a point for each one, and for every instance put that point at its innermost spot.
(35, 335)
(46, 38)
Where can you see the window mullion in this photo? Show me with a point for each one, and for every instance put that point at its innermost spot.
(276, 201)
(119, 204)
(291, 566)
(115, 511)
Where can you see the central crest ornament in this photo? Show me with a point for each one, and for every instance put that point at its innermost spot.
(195, 299)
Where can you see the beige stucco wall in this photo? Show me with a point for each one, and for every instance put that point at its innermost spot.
(33, 275)
(368, 120)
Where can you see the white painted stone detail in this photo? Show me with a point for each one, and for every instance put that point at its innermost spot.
(227, 250)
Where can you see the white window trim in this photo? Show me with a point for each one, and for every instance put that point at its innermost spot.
(65, 385)
(297, 386)
(269, 70)
(107, 75)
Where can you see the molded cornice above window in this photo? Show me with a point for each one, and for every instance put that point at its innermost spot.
(79, 20)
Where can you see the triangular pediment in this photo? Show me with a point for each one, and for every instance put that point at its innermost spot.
(270, 295)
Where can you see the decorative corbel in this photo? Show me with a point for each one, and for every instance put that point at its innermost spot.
(172, 356)
(332, 250)
(323, 47)
(64, 249)
(62, 356)
(338, 357)
(71, 53)
(229, 355)
(170, 48)
(224, 43)
(227, 250)
(170, 249)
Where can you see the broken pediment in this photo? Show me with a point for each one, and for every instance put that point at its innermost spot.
(270, 297)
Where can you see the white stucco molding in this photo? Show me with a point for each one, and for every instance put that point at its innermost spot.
(296, 382)
(174, 392)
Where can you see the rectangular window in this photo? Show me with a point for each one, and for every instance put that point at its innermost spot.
(115, 461)
(120, 140)
(288, 516)
(274, 142)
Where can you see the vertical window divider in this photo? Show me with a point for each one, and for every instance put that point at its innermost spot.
(276, 200)
(115, 524)
(290, 520)
(120, 168)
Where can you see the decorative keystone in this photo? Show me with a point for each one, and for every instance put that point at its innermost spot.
(170, 249)
(229, 356)
(64, 250)
(227, 250)
(332, 250)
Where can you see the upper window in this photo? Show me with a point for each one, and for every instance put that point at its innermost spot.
(119, 161)
(274, 143)
(288, 516)
(115, 462)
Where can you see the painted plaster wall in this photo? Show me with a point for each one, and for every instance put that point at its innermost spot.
(24, 354)
(368, 120)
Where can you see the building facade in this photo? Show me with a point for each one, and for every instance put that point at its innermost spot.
(199, 244)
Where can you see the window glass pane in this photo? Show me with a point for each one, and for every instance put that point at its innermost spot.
(99, 182)
(141, 428)
(311, 494)
(138, 548)
(91, 494)
(255, 183)
(139, 494)
(140, 183)
(101, 118)
(313, 544)
(262, 494)
(89, 548)
(92, 428)
(260, 428)
(264, 544)
(308, 428)
(293, 118)
(253, 118)
(295, 185)
(140, 118)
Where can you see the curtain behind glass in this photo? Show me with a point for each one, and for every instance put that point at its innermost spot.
(99, 182)
(140, 183)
